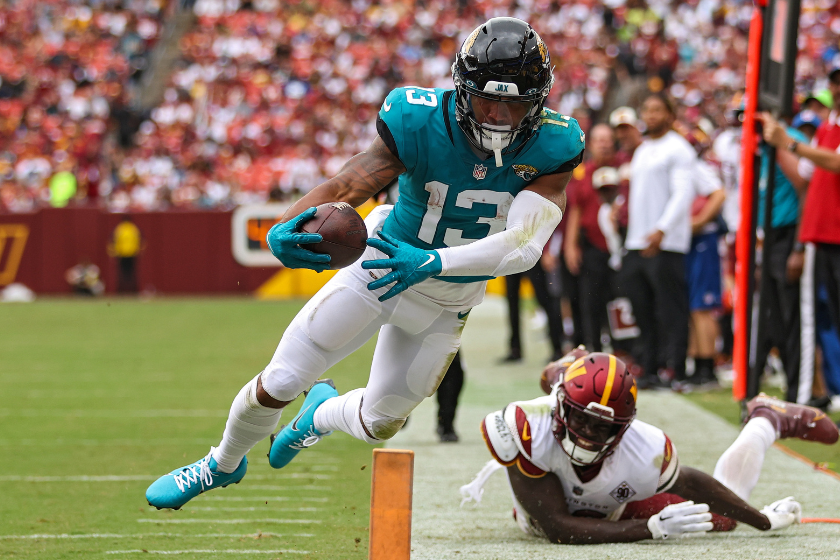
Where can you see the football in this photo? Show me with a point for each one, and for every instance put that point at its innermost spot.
(343, 230)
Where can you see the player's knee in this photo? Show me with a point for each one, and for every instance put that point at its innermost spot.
(283, 387)
(381, 428)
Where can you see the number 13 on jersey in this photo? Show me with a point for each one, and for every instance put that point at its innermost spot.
(499, 201)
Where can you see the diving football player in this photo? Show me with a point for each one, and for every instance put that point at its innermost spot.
(482, 175)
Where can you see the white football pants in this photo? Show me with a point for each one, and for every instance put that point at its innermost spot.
(417, 341)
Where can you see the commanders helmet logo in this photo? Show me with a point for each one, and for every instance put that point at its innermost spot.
(525, 172)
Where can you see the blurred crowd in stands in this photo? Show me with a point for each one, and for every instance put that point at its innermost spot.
(65, 70)
(263, 106)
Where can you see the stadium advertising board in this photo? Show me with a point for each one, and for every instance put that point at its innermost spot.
(249, 226)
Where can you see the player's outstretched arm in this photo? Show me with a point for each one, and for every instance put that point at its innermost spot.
(362, 177)
(696, 485)
(543, 498)
(532, 218)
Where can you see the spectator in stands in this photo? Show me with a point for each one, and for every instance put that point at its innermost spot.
(807, 122)
(658, 237)
(819, 103)
(585, 248)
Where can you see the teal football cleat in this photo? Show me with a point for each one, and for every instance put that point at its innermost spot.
(301, 432)
(182, 485)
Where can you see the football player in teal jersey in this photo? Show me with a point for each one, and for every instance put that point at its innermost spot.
(482, 175)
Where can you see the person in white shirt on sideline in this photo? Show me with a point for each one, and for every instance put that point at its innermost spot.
(658, 238)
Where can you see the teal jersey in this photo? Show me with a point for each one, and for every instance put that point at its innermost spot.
(448, 196)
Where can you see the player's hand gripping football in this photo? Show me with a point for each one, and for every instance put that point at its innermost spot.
(783, 513)
(678, 520)
(285, 240)
(409, 265)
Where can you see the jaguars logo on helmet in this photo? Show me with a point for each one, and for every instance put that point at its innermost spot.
(470, 40)
(543, 50)
(525, 172)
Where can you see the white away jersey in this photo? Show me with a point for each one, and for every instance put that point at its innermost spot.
(643, 464)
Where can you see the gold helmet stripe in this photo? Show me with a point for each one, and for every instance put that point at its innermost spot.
(605, 398)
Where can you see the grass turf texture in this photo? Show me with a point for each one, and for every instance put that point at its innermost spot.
(135, 389)
(720, 402)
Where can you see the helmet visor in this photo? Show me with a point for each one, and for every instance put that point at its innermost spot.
(494, 112)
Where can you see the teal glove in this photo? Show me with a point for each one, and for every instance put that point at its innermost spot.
(409, 265)
(284, 241)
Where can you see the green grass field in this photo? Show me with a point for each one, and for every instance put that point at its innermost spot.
(98, 398)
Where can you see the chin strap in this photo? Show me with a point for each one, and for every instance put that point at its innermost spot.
(496, 144)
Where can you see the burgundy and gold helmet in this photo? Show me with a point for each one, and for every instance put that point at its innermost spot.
(596, 402)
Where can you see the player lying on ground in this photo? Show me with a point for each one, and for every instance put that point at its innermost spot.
(482, 175)
(582, 470)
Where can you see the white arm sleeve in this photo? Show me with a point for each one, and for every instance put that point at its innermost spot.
(531, 220)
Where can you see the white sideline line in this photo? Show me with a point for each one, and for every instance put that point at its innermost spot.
(208, 551)
(92, 413)
(292, 476)
(263, 499)
(145, 535)
(332, 468)
(222, 508)
(227, 521)
(247, 486)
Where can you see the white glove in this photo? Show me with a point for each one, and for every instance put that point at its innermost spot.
(677, 520)
(783, 513)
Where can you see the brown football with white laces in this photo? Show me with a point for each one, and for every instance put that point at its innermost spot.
(343, 230)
